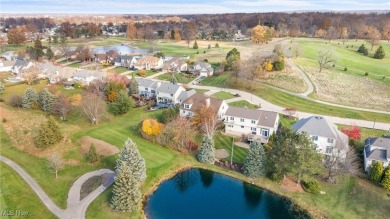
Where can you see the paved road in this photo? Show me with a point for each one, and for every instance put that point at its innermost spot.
(76, 208)
(265, 105)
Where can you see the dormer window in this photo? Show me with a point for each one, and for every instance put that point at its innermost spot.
(186, 106)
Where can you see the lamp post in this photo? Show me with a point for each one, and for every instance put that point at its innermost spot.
(231, 156)
(374, 123)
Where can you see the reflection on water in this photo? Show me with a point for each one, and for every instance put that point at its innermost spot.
(252, 195)
(122, 50)
(185, 180)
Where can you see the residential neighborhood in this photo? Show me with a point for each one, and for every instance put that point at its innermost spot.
(168, 109)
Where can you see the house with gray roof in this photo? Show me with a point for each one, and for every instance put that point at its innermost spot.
(376, 149)
(175, 64)
(6, 65)
(202, 69)
(8, 56)
(168, 93)
(257, 125)
(86, 76)
(147, 87)
(21, 65)
(191, 105)
(324, 134)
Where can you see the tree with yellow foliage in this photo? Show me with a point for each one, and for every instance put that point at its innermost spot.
(259, 34)
(151, 128)
(268, 65)
(176, 34)
(131, 31)
(75, 99)
(320, 33)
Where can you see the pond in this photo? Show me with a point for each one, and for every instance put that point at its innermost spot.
(122, 50)
(197, 193)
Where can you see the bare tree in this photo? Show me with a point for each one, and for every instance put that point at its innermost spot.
(207, 120)
(61, 107)
(236, 70)
(373, 36)
(65, 49)
(30, 75)
(336, 163)
(84, 53)
(55, 163)
(178, 138)
(189, 32)
(331, 34)
(325, 57)
(94, 107)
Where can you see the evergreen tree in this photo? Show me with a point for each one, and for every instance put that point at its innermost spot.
(130, 173)
(363, 49)
(2, 88)
(216, 45)
(386, 178)
(92, 155)
(52, 125)
(232, 56)
(376, 171)
(133, 85)
(126, 192)
(122, 104)
(29, 99)
(380, 53)
(46, 99)
(207, 151)
(48, 133)
(38, 44)
(195, 45)
(255, 161)
(49, 53)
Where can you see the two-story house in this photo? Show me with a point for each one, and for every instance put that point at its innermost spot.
(257, 125)
(376, 149)
(175, 64)
(189, 106)
(20, 66)
(168, 93)
(87, 76)
(147, 87)
(128, 61)
(202, 69)
(149, 62)
(324, 134)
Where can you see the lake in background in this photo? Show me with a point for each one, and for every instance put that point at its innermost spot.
(122, 50)
(203, 194)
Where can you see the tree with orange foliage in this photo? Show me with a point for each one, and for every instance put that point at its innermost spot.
(16, 35)
(207, 120)
(131, 31)
(142, 73)
(75, 99)
(320, 33)
(176, 34)
(373, 36)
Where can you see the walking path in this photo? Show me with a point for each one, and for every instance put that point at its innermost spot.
(305, 78)
(76, 208)
(265, 105)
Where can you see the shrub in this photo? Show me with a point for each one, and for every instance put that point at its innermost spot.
(345, 69)
(205, 60)
(195, 45)
(15, 101)
(216, 45)
(386, 179)
(384, 77)
(366, 74)
(204, 51)
(4, 120)
(279, 65)
(311, 186)
(379, 53)
(92, 155)
(197, 52)
(376, 172)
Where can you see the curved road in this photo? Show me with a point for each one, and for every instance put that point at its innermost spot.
(76, 208)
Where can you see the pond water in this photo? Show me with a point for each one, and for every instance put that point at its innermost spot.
(197, 193)
(121, 49)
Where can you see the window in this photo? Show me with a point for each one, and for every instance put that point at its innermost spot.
(153, 91)
(231, 118)
(171, 95)
(230, 126)
(253, 122)
(242, 126)
(329, 150)
(265, 132)
(330, 140)
(146, 88)
(242, 120)
(186, 106)
(314, 138)
(253, 129)
(184, 111)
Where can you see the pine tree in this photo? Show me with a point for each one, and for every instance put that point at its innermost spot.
(195, 45)
(380, 53)
(133, 85)
(386, 179)
(46, 99)
(92, 155)
(255, 162)
(49, 53)
(361, 49)
(29, 98)
(122, 104)
(48, 133)
(52, 125)
(207, 151)
(126, 192)
(130, 173)
(376, 171)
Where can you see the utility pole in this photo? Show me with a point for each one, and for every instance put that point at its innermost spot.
(374, 123)
(231, 156)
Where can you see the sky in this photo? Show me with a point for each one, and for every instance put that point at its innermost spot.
(185, 6)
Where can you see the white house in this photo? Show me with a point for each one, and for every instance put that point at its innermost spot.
(149, 62)
(6, 65)
(128, 61)
(8, 56)
(21, 65)
(376, 149)
(168, 93)
(258, 125)
(202, 69)
(175, 65)
(86, 76)
(189, 107)
(147, 87)
(328, 139)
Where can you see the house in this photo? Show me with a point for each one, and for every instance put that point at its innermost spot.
(100, 58)
(239, 36)
(6, 65)
(257, 125)
(202, 69)
(63, 73)
(168, 93)
(184, 95)
(376, 149)
(189, 107)
(21, 65)
(328, 139)
(149, 62)
(8, 56)
(147, 87)
(175, 65)
(128, 61)
(86, 76)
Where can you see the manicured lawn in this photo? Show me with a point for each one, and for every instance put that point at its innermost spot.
(243, 103)
(222, 95)
(201, 91)
(170, 48)
(225, 142)
(181, 78)
(147, 73)
(119, 70)
(75, 65)
(20, 88)
(14, 193)
(217, 81)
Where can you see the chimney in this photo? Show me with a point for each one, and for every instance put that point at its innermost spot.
(208, 102)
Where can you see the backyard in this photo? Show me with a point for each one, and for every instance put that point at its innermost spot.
(180, 78)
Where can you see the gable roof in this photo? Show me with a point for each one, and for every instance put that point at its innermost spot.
(148, 59)
(186, 94)
(383, 151)
(21, 63)
(88, 73)
(197, 100)
(145, 82)
(101, 56)
(263, 118)
(168, 88)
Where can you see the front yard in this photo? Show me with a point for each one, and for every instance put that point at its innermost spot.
(181, 78)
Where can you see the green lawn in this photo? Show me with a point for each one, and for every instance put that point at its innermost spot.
(243, 103)
(222, 95)
(201, 91)
(217, 81)
(181, 78)
(147, 73)
(119, 70)
(75, 65)
(356, 63)
(14, 192)
(225, 142)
